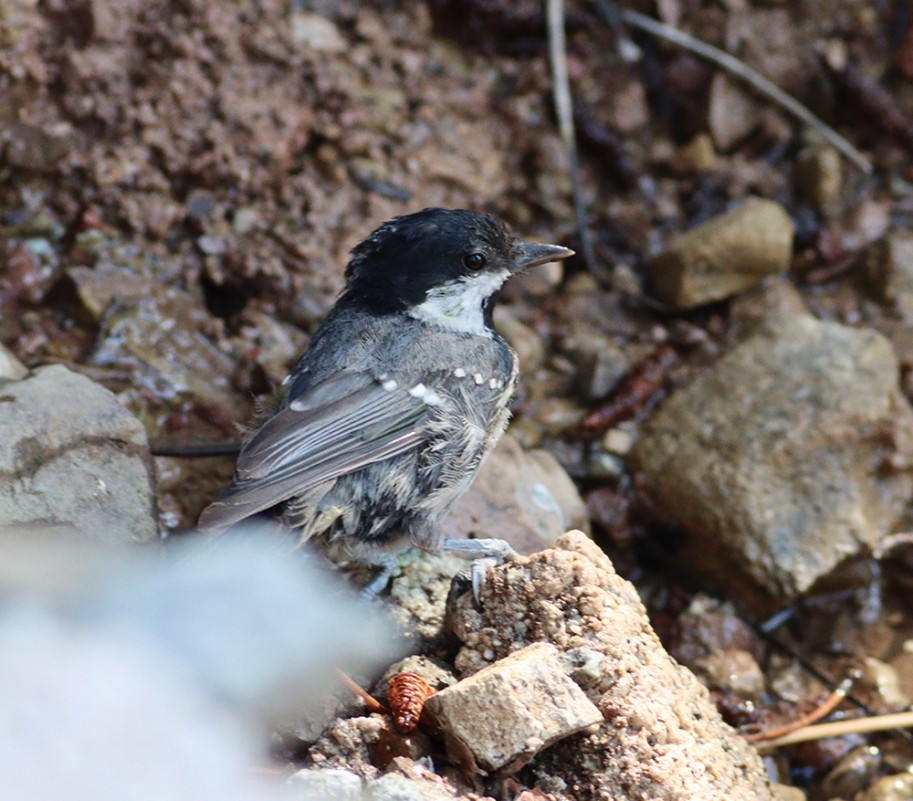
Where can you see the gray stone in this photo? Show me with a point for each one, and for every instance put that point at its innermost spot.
(724, 255)
(334, 784)
(788, 457)
(501, 717)
(71, 457)
(583, 665)
(394, 787)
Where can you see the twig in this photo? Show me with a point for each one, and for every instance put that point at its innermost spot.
(891, 542)
(897, 720)
(190, 449)
(372, 704)
(741, 70)
(564, 110)
(629, 52)
(825, 709)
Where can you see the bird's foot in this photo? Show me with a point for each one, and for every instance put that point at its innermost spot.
(485, 554)
(389, 566)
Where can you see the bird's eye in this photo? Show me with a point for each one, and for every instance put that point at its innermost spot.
(474, 261)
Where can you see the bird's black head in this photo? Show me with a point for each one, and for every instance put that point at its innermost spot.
(443, 265)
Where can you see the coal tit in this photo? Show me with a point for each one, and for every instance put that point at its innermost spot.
(403, 392)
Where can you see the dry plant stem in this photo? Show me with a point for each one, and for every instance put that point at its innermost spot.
(832, 702)
(564, 110)
(371, 703)
(741, 70)
(898, 720)
(192, 449)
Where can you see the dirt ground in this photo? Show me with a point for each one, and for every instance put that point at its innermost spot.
(211, 164)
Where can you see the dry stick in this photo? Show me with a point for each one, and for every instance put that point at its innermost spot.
(825, 709)
(370, 702)
(561, 90)
(898, 720)
(750, 76)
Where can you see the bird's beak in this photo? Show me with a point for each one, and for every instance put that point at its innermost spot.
(529, 254)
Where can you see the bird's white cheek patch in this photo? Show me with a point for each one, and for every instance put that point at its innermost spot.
(457, 306)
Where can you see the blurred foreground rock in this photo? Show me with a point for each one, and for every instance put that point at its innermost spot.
(788, 457)
(72, 458)
(152, 675)
(661, 736)
(724, 255)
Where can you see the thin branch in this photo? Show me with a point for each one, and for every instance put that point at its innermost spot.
(822, 711)
(741, 70)
(370, 702)
(564, 110)
(190, 449)
(898, 720)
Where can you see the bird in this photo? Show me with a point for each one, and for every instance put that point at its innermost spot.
(404, 390)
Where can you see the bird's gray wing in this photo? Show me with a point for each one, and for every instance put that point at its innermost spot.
(337, 427)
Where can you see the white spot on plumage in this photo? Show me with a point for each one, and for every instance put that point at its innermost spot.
(457, 305)
(477, 377)
(492, 382)
(426, 394)
(460, 372)
(389, 384)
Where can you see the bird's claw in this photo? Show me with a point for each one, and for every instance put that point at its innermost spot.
(485, 554)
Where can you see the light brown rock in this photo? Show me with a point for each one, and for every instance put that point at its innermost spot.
(662, 737)
(502, 716)
(724, 255)
(11, 369)
(523, 497)
(889, 270)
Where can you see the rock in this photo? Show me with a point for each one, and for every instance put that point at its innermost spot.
(526, 342)
(732, 671)
(601, 364)
(316, 32)
(418, 595)
(523, 497)
(697, 156)
(71, 457)
(31, 147)
(502, 716)
(156, 333)
(661, 736)
(11, 369)
(783, 792)
(733, 114)
(853, 773)
(898, 787)
(394, 787)
(724, 255)
(775, 295)
(783, 460)
(335, 784)
(889, 270)
(819, 177)
(365, 746)
(629, 111)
